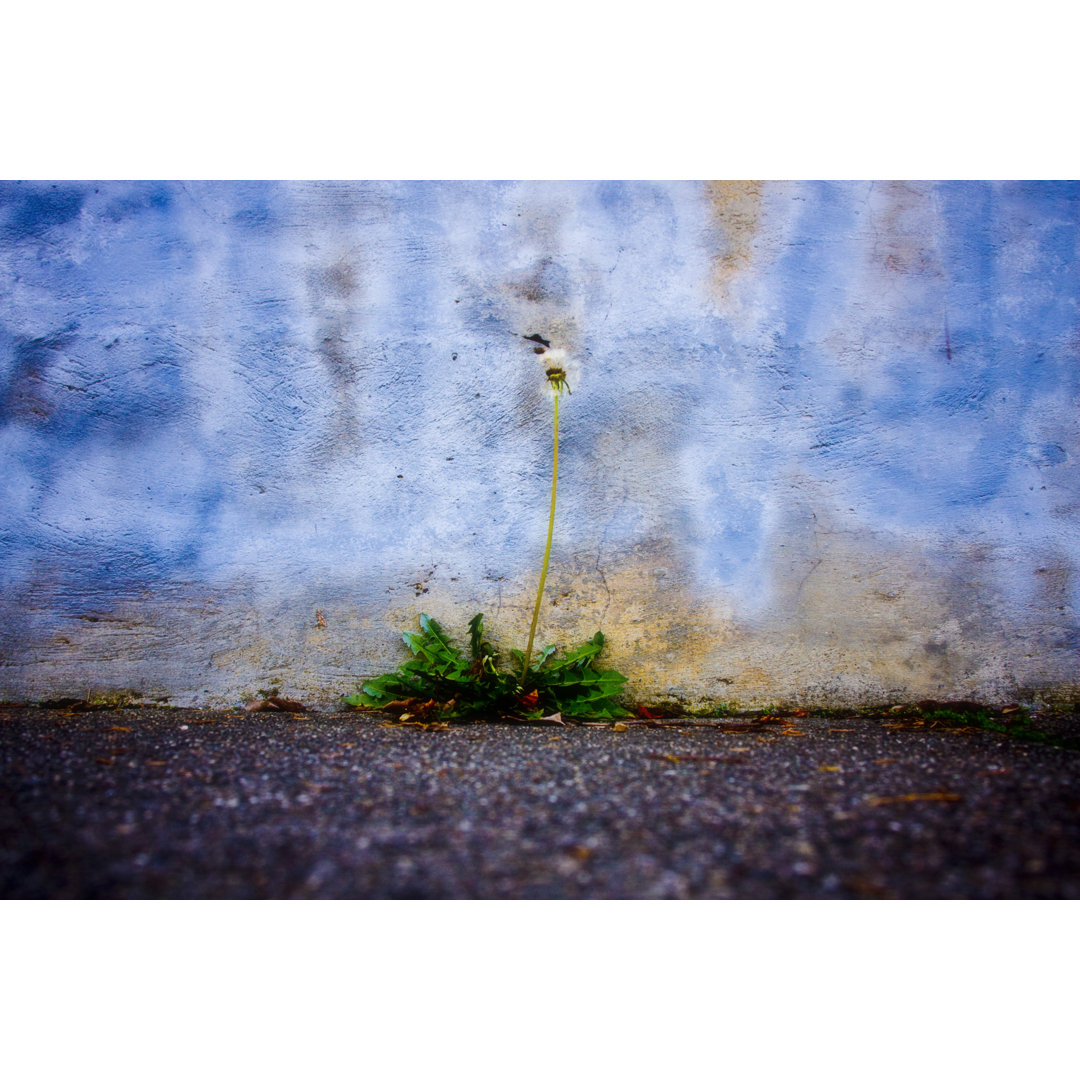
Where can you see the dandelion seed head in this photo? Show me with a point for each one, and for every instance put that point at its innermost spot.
(556, 368)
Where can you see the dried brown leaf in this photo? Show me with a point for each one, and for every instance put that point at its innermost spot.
(928, 796)
(275, 704)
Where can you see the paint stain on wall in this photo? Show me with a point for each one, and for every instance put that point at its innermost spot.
(902, 230)
(736, 209)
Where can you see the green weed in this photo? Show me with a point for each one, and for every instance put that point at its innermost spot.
(442, 683)
(1016, 725)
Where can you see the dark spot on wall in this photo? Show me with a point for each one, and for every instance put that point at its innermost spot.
(549, 281)
(340, 279)
(157, 198)
(33, 211)
(252, 218)
(27, 397)
(1046, 454)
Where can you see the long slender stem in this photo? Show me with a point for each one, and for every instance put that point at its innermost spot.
(547, 548)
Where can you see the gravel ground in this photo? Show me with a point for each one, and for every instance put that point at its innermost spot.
(148, 803)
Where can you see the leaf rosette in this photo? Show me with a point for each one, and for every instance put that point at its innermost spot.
(458, 686)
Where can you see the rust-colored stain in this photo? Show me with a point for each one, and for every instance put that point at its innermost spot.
(736, 209)
(902, 229)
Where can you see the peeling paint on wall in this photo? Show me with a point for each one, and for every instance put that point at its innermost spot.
(822, 445)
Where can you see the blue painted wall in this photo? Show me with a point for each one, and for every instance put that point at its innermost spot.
(821, 448)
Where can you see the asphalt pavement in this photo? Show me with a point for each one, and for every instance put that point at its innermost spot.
(149, 803)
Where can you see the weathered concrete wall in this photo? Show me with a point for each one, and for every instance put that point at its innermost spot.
(822, 445)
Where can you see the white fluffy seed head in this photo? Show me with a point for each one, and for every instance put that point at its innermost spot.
(557, 369)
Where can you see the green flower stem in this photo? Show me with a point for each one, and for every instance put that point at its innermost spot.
(547, 548)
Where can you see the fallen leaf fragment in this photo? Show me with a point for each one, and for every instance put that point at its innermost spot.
(274, 704)
(553, 718)
(620, 727)
(399, 706)
(928, 796)
(116, 727)
(830, 768)
(840, 730)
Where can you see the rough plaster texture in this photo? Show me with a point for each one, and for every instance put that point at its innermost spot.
(822, 445)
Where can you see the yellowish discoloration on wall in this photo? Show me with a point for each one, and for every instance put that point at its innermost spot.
(658, 633)
(844, 601)
(661, 635)
(736, 208)
(852, 617)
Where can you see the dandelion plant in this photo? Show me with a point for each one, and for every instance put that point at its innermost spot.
(556, 377)
(442, 683)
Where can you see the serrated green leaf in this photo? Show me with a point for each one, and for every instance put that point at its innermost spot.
(476, 635)
(538, 663)
(432, 629)
(583, 653)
